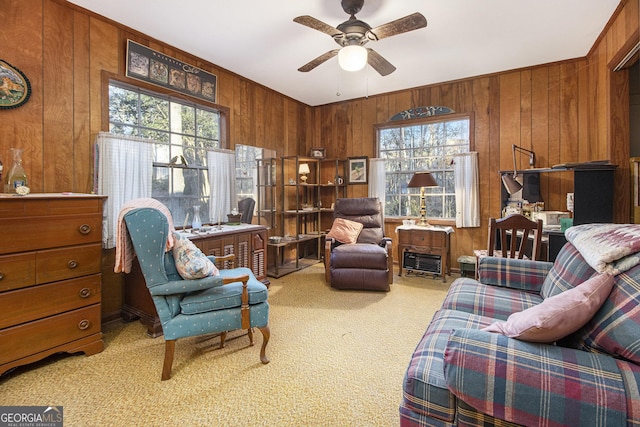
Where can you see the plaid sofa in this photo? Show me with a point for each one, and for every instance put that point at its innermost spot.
(460, 375)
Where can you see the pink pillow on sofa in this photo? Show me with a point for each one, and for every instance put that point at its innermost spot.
(559, 315)
(345, 231)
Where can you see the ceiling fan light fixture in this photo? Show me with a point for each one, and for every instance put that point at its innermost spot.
(352, 58)
(353, 34)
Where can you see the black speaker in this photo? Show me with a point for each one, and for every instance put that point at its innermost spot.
(531, 187)
(593, 196)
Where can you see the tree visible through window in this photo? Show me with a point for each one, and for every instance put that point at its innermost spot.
(422, 145)
(182, 131)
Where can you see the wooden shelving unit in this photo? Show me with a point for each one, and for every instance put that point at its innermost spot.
(305, 211)
(333, 185)
(266, 194)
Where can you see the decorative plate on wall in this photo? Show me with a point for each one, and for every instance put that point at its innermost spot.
(15, 88)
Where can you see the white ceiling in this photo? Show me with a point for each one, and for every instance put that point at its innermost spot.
(258, 39)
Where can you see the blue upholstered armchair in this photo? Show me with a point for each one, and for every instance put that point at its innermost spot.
(235, 299)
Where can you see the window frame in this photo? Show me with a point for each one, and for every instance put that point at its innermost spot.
(223, 112)
(107, 77)
(420, 121)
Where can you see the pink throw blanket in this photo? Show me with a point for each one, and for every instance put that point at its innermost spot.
(124, 248)
(607, 248)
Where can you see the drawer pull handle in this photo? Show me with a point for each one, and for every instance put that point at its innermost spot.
(85, 293)
(84, 324)
(72, 264)
(85, 229)
(1, 276)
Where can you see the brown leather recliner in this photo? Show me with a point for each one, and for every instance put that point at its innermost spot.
(368, 263)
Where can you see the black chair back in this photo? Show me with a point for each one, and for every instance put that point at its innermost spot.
(246, 207)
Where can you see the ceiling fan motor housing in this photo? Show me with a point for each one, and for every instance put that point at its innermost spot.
(353, 33)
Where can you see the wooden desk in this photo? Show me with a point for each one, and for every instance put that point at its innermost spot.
(426, 241)
(247, 242)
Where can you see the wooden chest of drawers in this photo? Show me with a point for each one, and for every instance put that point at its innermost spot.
(50, 281)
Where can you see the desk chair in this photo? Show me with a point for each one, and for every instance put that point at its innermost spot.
(246, 207)
(514, 234)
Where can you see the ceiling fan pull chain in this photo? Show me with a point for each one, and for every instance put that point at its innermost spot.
(366, 76)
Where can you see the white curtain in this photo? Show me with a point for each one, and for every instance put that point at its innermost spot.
(124, 172)
(222, 181)
(467, 190)
(377, 185)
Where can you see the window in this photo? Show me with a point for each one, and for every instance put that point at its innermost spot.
(426, 144)
(246, 169)
(182, 131)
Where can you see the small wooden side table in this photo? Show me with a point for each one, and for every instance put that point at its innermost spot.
(432, 240)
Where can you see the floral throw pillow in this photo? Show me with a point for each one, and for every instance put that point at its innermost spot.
(191, 263)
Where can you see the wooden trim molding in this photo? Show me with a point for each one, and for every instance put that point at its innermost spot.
(628, 54)
(107, 76)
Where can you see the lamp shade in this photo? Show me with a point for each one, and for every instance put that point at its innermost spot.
(352, 58)
(303, 168)
(510, 184)
(422, 179)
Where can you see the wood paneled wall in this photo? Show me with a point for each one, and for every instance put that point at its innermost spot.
(541, 109)
(609, 103)
(64, 51)
(565, 112)
(569, 111)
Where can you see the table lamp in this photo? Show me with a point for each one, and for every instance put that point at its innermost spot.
(303, 170)
(422, 180)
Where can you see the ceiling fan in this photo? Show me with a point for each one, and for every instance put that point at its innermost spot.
(353, 34)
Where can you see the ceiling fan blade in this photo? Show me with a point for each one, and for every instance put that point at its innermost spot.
(399, 26)
(319, 60)
(378, 63)
(316, 24)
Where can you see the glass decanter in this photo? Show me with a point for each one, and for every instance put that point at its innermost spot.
(196, 223)
(16, 177)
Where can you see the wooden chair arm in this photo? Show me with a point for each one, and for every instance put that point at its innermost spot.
(328, 243)
(229, 257)
(244, 308)
(242, 278)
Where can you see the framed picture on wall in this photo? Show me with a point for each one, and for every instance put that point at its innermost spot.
(317, 153)
(151, 66)
(357, 170)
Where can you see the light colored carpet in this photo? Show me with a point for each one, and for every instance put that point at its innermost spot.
(337, 359)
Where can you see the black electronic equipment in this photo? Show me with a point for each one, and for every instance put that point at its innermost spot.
(422, 262)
